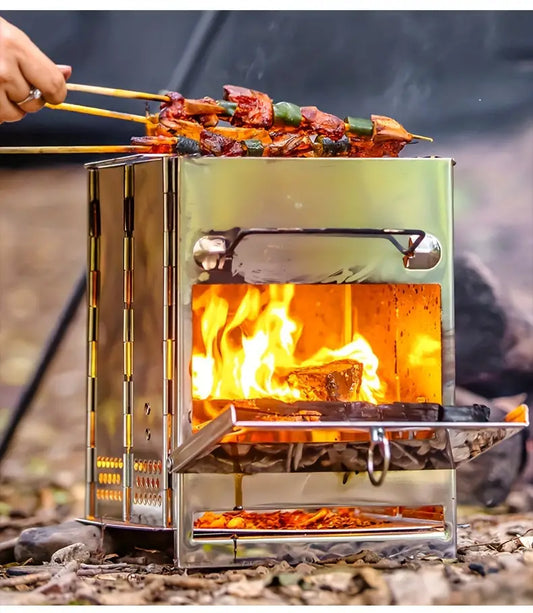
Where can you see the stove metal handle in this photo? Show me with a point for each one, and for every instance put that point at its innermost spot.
(212, 250)
(378, 438)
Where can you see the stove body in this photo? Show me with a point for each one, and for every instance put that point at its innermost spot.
(354, 247)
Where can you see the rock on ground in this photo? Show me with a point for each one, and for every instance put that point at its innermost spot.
(39, 544)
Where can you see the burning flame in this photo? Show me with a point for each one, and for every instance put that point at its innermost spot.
(249, 352)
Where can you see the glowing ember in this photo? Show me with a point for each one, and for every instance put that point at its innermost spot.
(287, 520)
(249, 351)
(325, 518)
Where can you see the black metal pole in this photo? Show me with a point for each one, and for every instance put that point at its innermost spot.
(203, 35)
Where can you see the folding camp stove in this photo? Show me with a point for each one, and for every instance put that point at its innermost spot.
(271, 357)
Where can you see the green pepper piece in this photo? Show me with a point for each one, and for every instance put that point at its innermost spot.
(228, 106)
(287, 113)
(254, 147)
(358, 125)
(186, 145)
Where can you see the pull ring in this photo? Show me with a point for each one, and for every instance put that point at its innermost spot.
(378, 438)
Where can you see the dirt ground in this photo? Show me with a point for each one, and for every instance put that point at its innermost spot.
(494, 566)
(42, 230)
(42, 253)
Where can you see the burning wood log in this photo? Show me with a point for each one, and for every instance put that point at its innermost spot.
(339, 380)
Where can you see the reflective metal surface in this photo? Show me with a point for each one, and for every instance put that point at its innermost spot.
(149, 217)
(223, 194)
(268, 491)
(414, 445)
(106, 361)
(379, 440)
(426, 256)
(131, 326)
(147, 340)
(214, 250)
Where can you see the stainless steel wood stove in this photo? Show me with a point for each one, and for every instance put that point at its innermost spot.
(271, 357)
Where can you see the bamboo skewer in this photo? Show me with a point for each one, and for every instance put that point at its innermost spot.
(91, 110)
(147, 120)
(117, 93)
(126, 93)
(78, 149)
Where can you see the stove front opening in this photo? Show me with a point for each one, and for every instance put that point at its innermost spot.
(374, 343)
(334, 521)
(266, 348)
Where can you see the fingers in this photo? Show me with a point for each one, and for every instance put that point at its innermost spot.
(66, 71)
(38, 69)
(23, 67)
(32, 106)
(19, 85)
(8, 110)
(18, 89)
(49, 80)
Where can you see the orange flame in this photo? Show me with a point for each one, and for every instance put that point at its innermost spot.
(248, 351)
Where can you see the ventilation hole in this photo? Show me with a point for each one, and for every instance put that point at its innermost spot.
(148, 434)
(147, 408)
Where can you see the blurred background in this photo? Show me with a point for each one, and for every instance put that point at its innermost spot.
(465, 78)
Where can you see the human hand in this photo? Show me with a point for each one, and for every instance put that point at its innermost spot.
(23, 67)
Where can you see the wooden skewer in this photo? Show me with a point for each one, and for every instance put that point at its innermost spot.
(428, 138)
(78, 149)
(117, 93)
(91, 110)
(127, 93)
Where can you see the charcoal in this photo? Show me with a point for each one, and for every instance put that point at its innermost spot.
(476, 412)
(339, 380)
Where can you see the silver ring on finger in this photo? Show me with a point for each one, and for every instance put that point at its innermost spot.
(34, 94)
